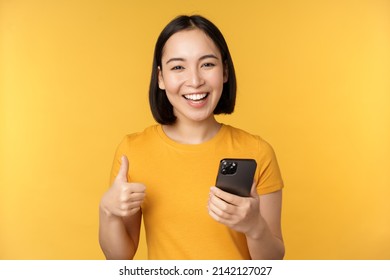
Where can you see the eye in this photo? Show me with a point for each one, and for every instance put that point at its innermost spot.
(208, 65)
(177, 67)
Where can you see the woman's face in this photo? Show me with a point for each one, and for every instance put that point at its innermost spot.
(192, 75)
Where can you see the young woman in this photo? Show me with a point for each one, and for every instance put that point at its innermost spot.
(166, 173)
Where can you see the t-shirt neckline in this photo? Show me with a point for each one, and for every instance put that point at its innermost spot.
(192, 147)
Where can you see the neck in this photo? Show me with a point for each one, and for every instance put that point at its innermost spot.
(192, 132)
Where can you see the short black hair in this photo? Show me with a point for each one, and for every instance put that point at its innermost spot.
(161, 108)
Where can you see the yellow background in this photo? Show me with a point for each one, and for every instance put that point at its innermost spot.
(313, 77)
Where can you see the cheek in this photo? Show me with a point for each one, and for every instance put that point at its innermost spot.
(216, 80)
(173, 83)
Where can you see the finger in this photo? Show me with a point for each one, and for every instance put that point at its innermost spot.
(130, 188)
(127, 213)
(219, 218)
(222, 205)
(220, 211)
(130, 205)
(123, 170)
(228, 197)
(214, 215)
(254, 190)
(132, 197)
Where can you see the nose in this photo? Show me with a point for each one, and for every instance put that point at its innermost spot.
(195, 78)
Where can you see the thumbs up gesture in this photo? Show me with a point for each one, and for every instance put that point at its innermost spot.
(123, 199)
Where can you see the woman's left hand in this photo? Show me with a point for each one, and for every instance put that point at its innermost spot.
(241, 214)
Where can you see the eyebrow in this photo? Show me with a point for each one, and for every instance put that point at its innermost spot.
(201, 58)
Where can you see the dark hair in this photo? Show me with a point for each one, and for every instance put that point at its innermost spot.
(161, 108)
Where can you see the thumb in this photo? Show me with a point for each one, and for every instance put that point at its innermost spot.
(123, 170)
(254, 189)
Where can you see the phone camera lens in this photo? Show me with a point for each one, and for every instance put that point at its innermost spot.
(228, 168)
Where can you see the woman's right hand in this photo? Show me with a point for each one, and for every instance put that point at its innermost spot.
(123, 199)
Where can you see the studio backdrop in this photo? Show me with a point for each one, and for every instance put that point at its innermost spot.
(313, 80)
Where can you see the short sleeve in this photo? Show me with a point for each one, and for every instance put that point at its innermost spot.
(269, 178)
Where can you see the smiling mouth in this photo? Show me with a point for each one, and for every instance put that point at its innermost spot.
(196, 96)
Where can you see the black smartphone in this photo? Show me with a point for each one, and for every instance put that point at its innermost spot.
(235, 175)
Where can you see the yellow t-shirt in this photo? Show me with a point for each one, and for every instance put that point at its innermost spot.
(178, 178)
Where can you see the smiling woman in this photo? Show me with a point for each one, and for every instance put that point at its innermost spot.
(192, 75)
(313, 80)
(192, 80)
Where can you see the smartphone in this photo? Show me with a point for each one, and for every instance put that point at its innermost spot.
(235, 175)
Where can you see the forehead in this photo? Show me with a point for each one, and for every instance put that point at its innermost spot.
(189, 44)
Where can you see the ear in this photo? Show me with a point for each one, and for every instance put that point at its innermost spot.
(225, 72)
(161, 83)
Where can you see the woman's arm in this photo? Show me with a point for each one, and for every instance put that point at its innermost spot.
(258, 217)
(265, 240)
(119, 237)
(120, 216)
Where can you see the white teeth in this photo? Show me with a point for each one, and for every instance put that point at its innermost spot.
(195, 96)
